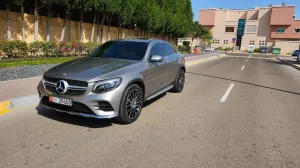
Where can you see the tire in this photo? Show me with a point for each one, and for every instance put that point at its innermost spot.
(179, 82)
(131, 104)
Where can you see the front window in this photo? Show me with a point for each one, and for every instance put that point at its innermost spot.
(280, 30)
(251, 29)
(121, 50)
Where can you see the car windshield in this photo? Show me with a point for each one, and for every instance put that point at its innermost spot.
(121, 50)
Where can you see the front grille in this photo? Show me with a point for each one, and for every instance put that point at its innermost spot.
(70, 82)
(105, 106)
(77, 107)
(68, 93)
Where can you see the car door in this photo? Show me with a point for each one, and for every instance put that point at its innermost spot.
(157, 71)
(172, 59)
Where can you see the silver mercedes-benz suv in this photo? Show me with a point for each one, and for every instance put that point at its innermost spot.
(114, 80)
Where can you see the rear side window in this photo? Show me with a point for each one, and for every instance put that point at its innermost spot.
(168, 49)
(156, 50)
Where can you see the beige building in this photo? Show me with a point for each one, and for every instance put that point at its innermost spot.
(262, 26)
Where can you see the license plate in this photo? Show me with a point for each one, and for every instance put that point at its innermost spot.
(66, 102)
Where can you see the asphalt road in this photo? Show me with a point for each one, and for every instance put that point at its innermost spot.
(227, 116)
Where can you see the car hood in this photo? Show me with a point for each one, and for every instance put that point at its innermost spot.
(85, 69)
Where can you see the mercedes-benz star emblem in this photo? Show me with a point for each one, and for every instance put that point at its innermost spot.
(62, 86)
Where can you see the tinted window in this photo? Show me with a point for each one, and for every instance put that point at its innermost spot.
(168, 49)
(121, 50)
(156, 50)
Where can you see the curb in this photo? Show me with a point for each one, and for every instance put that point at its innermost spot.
(25, 101)
(291, 64)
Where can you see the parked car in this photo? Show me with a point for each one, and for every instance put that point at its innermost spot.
(296, 53)
(209, 49)
(114, 80)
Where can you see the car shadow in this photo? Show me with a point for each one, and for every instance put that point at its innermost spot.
(74, 120)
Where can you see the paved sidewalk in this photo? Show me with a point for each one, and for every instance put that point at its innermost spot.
(18, 88)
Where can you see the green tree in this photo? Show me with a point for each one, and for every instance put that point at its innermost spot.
(69, 6)
(49, 4)
(83, 6)
(21, 4)
(125, 16)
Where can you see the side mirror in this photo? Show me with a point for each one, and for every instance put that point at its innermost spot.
(156, 58)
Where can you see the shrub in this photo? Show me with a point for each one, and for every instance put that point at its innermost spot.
(220, 48)
(35, 48)
(77, 48)
(50, 49)
(226, 48)
(256, 50)
(184, 48)
(14, 48)
(89, 47)
(19, 48)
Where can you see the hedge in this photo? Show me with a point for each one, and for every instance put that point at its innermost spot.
(20, 49)
(184, 48)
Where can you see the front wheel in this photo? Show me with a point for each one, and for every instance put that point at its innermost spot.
(179, 82)
(131, 104)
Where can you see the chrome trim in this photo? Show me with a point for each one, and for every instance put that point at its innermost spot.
(81, 114)
(160, 92)
(70, 87)
(76, 87)
(49, 83)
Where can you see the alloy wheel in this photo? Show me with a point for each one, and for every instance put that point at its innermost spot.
(134, 103)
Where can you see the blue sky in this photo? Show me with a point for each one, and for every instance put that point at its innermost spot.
(239, 4)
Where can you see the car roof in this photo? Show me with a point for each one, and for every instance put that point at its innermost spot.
(146, 40)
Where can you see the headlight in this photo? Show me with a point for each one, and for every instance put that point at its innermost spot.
(106, 85)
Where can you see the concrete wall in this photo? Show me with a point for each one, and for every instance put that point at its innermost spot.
(252, 14)
(219, 29)
(287, 46)
(289, 31)
(263, 28)
(207, 17)
(282, 15)
(57, 27)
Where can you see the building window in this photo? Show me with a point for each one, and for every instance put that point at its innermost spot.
(262, 43)
(229, 29)
(216, 41)
(297, 30)
(225, 42)
(251, 42)
(251, 29)
(280, 30)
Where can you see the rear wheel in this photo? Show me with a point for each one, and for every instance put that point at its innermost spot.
(131, 104)
(179, 82)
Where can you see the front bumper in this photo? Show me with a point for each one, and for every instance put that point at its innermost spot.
(89, 100)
